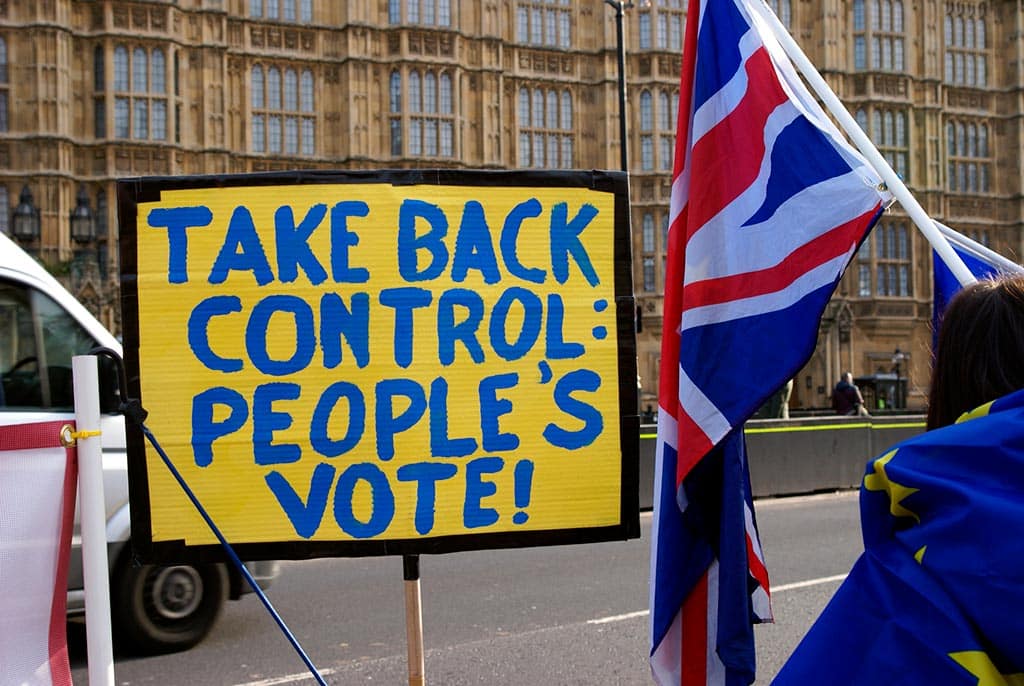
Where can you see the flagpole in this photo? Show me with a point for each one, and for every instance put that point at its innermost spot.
(991, 256)
(99, 643)
(895, 185)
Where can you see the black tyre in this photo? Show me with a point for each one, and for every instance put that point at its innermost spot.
(158, 609)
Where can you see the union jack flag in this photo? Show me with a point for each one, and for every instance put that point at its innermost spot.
(37, 489)
(769, 204)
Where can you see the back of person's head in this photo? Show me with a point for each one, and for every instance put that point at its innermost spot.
(980, 355)
(848, 377)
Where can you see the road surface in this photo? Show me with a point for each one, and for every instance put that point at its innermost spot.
(557, 615)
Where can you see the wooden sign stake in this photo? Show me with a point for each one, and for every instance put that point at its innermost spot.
(413, 619)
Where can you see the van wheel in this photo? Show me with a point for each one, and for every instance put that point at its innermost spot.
(162, 609)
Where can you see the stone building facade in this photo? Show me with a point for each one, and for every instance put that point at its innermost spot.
(96, 90)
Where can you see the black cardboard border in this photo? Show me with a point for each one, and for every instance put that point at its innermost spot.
(132, 192)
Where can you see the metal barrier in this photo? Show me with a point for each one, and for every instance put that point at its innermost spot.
(808, 455)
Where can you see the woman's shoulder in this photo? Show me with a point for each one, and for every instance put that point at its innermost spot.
(994, 428)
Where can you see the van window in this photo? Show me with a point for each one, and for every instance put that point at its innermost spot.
(37, 341)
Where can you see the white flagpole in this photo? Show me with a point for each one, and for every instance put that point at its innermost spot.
(99, 645)
(867, 148)
(991, 256)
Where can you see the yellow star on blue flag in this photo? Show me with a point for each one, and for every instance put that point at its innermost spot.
(936, 597)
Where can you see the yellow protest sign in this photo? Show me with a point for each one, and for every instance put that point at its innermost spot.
(358, 363)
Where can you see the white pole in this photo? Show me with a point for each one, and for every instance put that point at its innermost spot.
(866, 147)
(99, 644)
(992, 257)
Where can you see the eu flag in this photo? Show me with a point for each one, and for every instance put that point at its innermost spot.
(937, 596)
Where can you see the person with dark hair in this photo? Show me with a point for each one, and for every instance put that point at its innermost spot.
(980, 355)
(936, 596)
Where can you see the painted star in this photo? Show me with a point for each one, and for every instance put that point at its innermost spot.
(979, 664)
(880, 481)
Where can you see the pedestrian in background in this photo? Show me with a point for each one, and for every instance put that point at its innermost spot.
(846, 398)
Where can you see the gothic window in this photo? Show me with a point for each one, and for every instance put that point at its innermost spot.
(676, 19)
(883, 261)
(177, 99)
(665, 153)
(273, 117)
(291, 104)
(646, 153)
(415, 122)
(664, 111)
(664, 247)
(864, 268)
(158, 86)
(566, 125)
(888, 131)
(120, 68)
(667, 105)
(862, 120)
(644, 22)
(646, 126)
(546, 23)
(663, 134)
(121, 129)
(649, 249)
(545, 128)
(892, 259)
(140, 84)
(307, 118)
(968, 157)
(783, 10)
(258, 102)
(395, 112)
(282, 10)
(660, 25)
(648, 266)
(647, 233)
(424, 120)
(140, 94)
(878, 35)
(646, 111)
(966, 47)
(423, 12)
(283, 112)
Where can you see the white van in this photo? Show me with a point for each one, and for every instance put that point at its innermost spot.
(155, 609)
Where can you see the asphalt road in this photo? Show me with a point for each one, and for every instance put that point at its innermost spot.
(559, 615)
